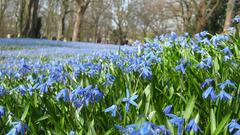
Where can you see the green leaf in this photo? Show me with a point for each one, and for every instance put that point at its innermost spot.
(25, 112)
(189, 109)
(109, 132)
(222, 124)
(213, 121)
(43, 118)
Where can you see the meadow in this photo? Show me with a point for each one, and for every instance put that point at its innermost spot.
(172, 84)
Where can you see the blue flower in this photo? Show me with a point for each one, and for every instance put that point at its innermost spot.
(32, 88)
(84, 96)
(2, 111)
(63, 94)
(209, 92)
(18, 127)
(146, 72)
(167, 110)
(162, 130)
(224, 96)
(180, 67)
(206, 82)
(227, 83)
(109, 79)
(22, 89)
(201, 35)
(192, 125)
(128, 129)
(236, 19)
(2, 91)
(72, 133)
(129, 100)
(219, 38)
(44, 87)
(227, 51)
(178, 122)
(146, 129)
(112, 109)
(208, 62)
(233, 125)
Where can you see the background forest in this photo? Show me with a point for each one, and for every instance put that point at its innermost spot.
(113, 21)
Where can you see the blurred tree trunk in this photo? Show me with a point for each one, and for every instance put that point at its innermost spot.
(3, 8)
(61, 26)
(82, 6)
(21, 16)
(205, 11)
(33, 23)
(229, 13)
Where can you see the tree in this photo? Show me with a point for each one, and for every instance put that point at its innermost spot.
(3, 8)
(61, 22)
(206, 9)
(82, 6)
(98, 11)
(229, 13)
(33, 22)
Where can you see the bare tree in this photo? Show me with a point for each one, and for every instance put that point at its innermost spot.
(205, 11)
(229, 13)
(33, 22)
(82, 6)
(97, 11)
(3, 7)
(64, 10)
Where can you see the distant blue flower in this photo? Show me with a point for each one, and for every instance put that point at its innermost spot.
(129, 100)
(219, 38)
(2, 111)
(227, 83)
(236, 19)
(192, 125)
(32, 88)
(208, 61)
(44, 87)
(83, 96)
(180, 68)
(233, 125)
(201, 35)
(112, 109)
(18, 127)
(202, 52)
(209, 92)
(63, 94)
(22, 89)
(206, 82)
(227, 51)
(2, 91)
(237, 132)
(224, 96)
(146, 129)
(146, 72)
(178, 122)
(128, 129)
(168, 109)
(109, 79)
(72, 133)
(162, 130)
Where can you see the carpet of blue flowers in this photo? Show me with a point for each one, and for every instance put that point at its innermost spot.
(168, 85)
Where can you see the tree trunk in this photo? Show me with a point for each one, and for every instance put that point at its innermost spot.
(61, 26)
(33, 23)
(229, 12)
(201, 20)
(81, 9)
(21, 16)
(77, 25)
